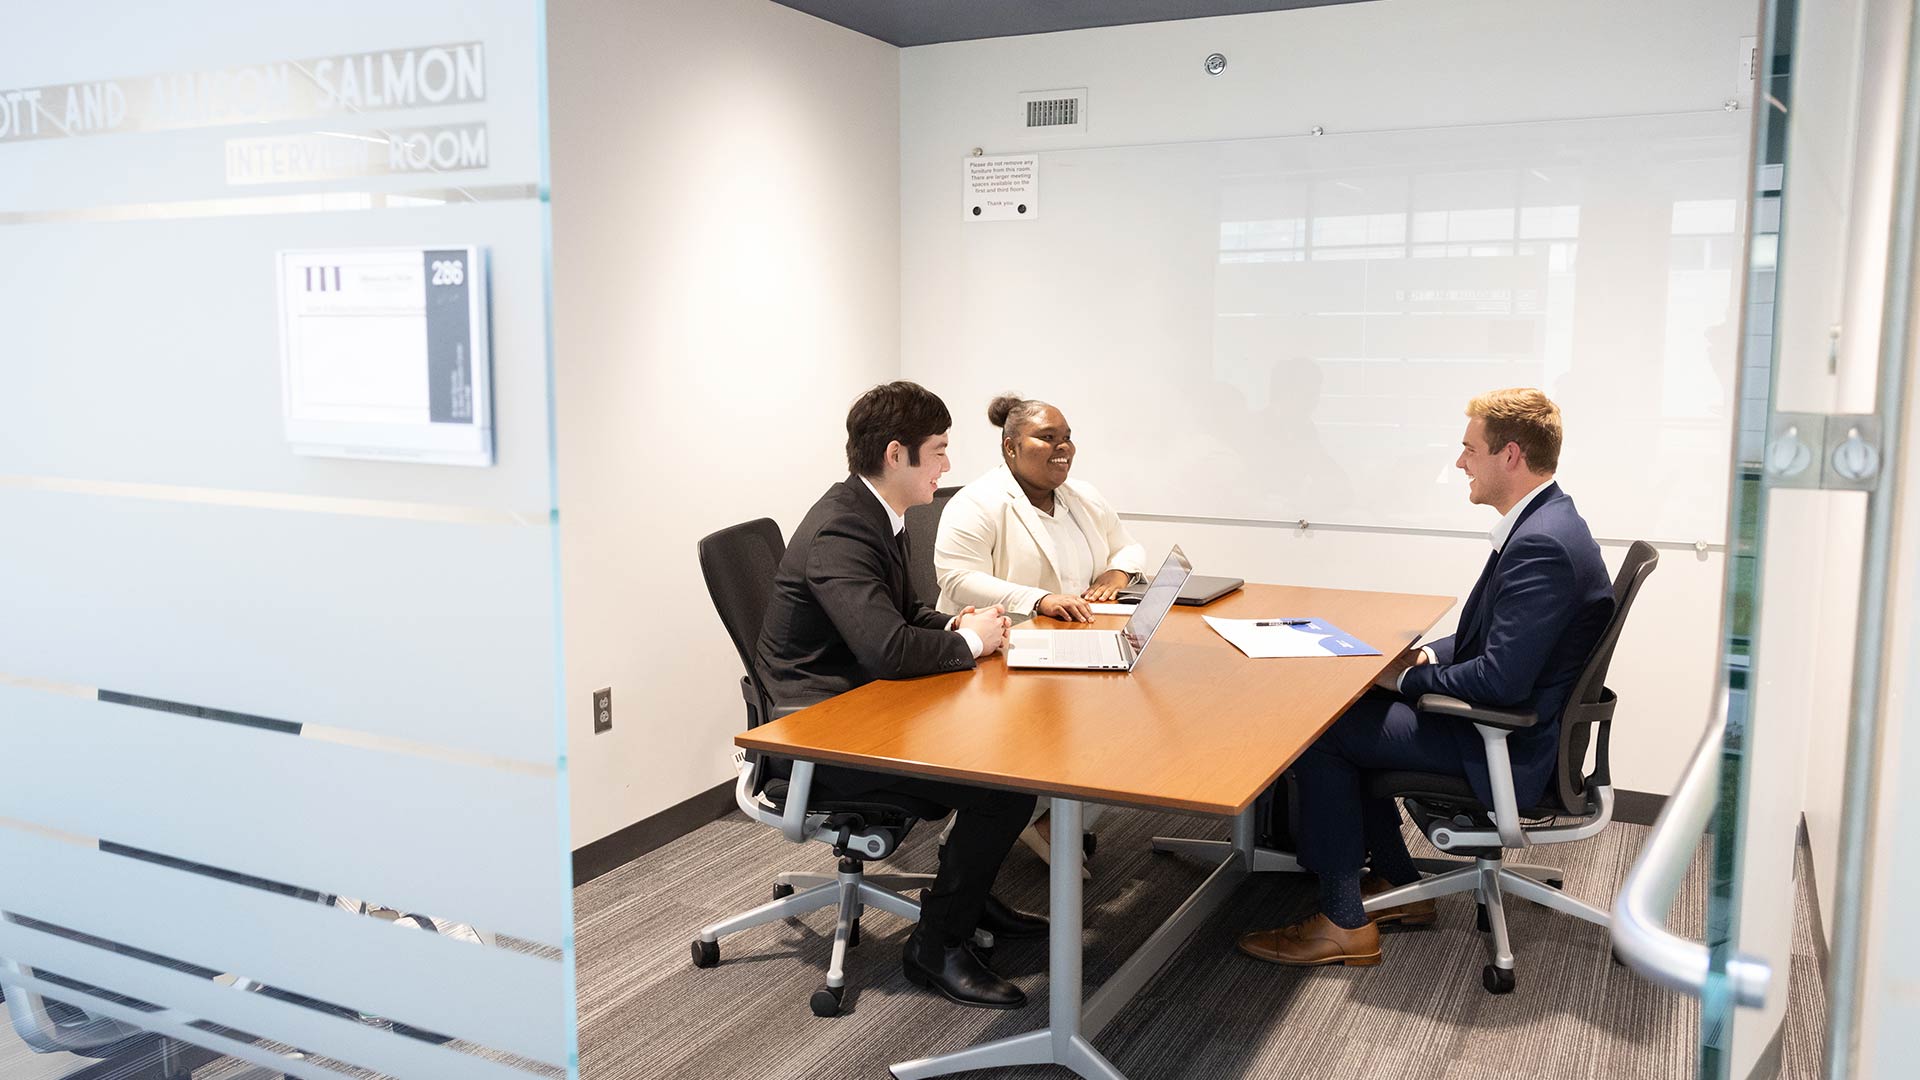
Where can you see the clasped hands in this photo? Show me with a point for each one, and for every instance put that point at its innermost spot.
(990, 624)
(1069, 608)
(1389, 679)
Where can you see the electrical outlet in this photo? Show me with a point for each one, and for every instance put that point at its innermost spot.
(603, 710)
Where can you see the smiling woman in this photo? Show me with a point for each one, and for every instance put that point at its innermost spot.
(1027, 537)
(1030, 538)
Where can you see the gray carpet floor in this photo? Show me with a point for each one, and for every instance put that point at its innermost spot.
(646, 1012)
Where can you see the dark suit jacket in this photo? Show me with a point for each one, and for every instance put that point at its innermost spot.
(1525, 632)
(843, 613)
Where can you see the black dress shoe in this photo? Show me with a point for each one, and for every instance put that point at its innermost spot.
(1004, 922)
(958, 975)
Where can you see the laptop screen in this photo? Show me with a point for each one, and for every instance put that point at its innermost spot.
(1162, 591)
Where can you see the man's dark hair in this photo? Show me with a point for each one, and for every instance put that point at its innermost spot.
(902, 412)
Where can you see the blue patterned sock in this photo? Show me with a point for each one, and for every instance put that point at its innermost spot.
(1340, 900)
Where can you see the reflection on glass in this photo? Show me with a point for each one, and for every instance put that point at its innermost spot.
(1366, 288)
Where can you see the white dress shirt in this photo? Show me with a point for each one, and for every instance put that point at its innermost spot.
(899, 523)
(1502, 529)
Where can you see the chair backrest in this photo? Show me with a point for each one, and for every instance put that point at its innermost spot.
(1591, 703)
(739, 563)
(923, 528)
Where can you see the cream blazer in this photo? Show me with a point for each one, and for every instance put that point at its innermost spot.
(993, 547)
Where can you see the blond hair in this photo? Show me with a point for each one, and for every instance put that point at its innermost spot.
(1521, 415)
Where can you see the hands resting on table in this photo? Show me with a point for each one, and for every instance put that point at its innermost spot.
(1069, 608)
(990, 624)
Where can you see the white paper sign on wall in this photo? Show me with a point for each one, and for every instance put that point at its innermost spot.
(1002, 188)
(384, 354)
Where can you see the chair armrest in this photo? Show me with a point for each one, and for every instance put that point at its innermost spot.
(1510, 719)
(1506, 809)
(786, 710)
(799, 789)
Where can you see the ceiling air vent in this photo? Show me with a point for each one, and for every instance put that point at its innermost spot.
(1055, 112)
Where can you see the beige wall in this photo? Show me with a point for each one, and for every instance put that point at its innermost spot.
(726, 263)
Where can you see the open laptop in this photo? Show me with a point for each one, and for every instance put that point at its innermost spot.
(1104, 650)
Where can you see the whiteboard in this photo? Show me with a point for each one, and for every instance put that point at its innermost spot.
(1290, 328)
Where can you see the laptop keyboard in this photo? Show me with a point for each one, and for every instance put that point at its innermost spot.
(1085, 647)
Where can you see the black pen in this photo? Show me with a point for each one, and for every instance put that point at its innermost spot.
(1284, 622)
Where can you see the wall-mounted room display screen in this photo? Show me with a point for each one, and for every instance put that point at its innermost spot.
(384, 354)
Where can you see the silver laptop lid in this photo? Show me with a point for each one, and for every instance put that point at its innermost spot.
(1162, 591)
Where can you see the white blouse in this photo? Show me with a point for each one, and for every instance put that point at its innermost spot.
(1070, 543)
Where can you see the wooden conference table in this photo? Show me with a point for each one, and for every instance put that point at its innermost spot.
(1195, 727)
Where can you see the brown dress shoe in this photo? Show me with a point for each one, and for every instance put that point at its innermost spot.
(1418, 913)
(1313, 942)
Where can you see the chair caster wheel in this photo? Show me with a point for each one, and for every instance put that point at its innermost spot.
(853, 935)
(1480, 920)
(1089, 843)
(782, 890)
(1554, 883)
(826, 1000)
(1496, 980)
(706, 954)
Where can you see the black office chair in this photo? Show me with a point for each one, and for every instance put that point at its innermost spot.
(923, 528)
(739, 564)
(1577, 806)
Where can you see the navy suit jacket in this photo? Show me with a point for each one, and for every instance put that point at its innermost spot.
(1525, 632)
(843, 613)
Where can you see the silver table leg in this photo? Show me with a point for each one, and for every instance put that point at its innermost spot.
(1060, 1042)
(1070, 1025)
(1265, 860)
(1274, 861)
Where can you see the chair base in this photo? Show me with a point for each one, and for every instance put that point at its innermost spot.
(1491, 882)
(850, 893)
(1275, 861)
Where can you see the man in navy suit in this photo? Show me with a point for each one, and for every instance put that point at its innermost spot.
(1525, 632)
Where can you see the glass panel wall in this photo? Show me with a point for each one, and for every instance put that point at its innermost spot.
(286, 787)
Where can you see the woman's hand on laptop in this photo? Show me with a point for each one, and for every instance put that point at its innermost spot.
(1064, 607)
(1106, 586)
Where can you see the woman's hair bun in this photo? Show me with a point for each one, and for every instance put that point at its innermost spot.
(1002, 407)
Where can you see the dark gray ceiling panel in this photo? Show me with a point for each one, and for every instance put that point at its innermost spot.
(927, 22)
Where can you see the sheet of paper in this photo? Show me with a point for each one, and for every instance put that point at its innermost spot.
(1266, 639)
(1113, 609)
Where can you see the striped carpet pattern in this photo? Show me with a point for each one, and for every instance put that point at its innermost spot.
(646, 1012)
(1803, 1045)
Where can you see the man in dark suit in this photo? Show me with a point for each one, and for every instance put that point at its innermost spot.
(1540, 605)
(843, 614)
